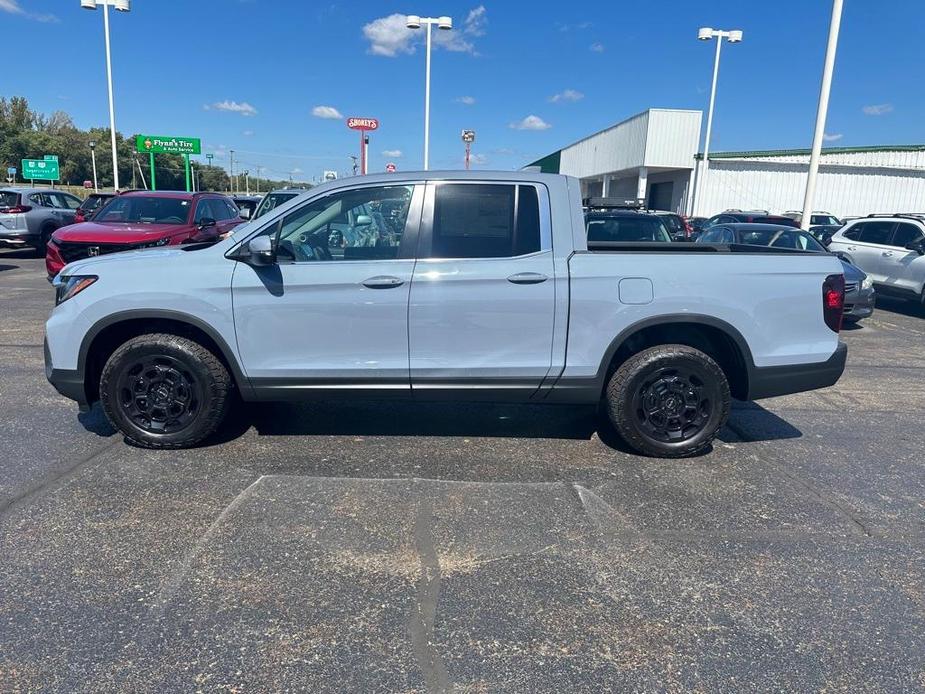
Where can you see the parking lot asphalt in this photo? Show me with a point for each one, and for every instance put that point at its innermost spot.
(475, 548)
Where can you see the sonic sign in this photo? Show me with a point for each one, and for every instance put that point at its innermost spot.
(363, 125)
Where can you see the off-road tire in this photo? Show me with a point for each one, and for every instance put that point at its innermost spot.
(642, 374)
(208, 385)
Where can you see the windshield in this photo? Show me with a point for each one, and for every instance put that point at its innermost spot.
(272, 201)
(641, 228)
(144, 210)
(8, 198)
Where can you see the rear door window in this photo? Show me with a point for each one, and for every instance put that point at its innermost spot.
(485, 221)
(876, 232)
(905, 234)
(8, 198)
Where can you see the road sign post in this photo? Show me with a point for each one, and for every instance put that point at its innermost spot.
(151, 164)
(11, 171)
(162, 144)
(363, 125)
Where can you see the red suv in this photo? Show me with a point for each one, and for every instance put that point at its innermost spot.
(143, 219)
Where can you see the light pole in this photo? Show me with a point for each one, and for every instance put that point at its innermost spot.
(121, 6)
(257, 181)
(231, 171)
(707, 34)
(247, 183)
(821, 113)
(96, 188)
(468, 136)
(413, 21)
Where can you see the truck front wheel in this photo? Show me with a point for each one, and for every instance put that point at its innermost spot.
(668, 401)
(165, 391)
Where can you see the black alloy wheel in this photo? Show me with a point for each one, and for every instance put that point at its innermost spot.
(159, 394)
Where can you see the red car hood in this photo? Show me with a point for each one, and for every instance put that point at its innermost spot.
(93, 232)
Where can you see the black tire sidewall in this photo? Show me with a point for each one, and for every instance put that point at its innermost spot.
(641, 366)
(130, 353)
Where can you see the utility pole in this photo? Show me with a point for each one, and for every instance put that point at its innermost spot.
(355, 166)
(247, 183)
(257, 182)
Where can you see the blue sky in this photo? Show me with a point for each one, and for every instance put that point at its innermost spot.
(257, 76)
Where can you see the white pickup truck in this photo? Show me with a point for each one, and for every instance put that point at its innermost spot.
(475, 286)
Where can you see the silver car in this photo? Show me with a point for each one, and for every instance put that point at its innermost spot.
(890, 249)
(29, 216)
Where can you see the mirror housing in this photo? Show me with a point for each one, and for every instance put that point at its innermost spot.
(244, 213)
(206, 222)
(261, 251)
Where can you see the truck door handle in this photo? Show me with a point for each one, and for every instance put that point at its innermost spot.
(527, 278)
(887, 254)
(383, 282)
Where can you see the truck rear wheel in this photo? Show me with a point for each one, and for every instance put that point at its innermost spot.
(668, 401)
(165, 391)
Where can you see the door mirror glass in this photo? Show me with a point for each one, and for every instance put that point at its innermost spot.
(206, 222)
(244, 213)
(261, 251)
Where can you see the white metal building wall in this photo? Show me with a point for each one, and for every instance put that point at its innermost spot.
(775, 184)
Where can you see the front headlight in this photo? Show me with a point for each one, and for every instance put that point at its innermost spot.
(154, 244)
(68, 287)
(868, 283)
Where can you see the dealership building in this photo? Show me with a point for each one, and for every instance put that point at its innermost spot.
(655, 156)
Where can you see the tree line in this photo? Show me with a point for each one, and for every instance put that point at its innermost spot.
(27, 134)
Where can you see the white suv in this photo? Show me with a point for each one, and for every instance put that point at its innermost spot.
(890, 249)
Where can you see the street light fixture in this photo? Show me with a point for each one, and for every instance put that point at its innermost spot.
(445, 23)
(96, 188)
(121, 6)
(708, 34)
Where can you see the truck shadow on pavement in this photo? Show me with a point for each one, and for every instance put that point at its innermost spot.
(748, 422)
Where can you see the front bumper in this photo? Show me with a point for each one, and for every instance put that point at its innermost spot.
(771, 381)
(69, 383)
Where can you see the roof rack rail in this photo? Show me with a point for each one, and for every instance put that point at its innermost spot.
(906, 215)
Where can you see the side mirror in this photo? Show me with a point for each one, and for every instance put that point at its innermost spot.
(261, 251)
(363, 220)
(244, 213)
(206, 222)
(917, 246)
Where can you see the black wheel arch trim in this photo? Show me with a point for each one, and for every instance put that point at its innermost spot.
(675, 319)
(240, 378)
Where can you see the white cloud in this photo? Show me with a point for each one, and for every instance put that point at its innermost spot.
(394, 153)
(531, 122)
(244, 108)
(877, 109)
(475, 21)
(832, 137)
(467, 100)
(247, 133)
(478, 159)
(296, 170)
(570, 27)
(596, 47)
(326, 112)
(389, 36)
(12, 7)
(567, 95)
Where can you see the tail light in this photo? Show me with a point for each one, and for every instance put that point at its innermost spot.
(79, 217)
(833, 301)
(16, 209)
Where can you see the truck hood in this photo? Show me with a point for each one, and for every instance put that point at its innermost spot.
(93, 232)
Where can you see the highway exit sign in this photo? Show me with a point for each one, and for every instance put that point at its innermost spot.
(158, 144)
(41, 169)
